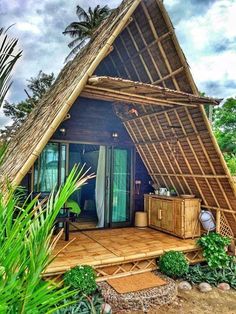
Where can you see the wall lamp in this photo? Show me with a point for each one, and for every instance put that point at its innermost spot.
(115, 136)
(62, 131)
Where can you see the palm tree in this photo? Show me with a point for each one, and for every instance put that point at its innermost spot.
(83, 30)
(8, 58)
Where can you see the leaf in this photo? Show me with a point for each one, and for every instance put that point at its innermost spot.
(8, 58)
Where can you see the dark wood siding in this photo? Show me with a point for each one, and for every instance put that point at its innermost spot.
(141, 174)
(93, 121)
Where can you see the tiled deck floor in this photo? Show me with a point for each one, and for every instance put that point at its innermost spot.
(103, 247)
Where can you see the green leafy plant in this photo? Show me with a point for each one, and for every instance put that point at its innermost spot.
(81, 277)
(213, 245)
(8, 58)
(213, 276)
(231, 162)
(224, 125)
(83, 305)
(26, 249)
(173, 264)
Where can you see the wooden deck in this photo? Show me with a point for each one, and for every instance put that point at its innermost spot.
(115, 251)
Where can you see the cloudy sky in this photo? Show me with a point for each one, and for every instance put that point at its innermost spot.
(205, 28)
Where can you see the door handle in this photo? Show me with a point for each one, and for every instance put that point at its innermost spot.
(159, 214)
(107, 183)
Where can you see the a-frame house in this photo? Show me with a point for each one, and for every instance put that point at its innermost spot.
(128, 95)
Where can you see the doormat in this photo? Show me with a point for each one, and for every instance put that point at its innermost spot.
(133, 283)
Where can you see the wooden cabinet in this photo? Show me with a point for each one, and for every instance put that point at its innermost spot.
(175, 215)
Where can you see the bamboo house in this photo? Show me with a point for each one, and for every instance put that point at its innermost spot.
(128, 106)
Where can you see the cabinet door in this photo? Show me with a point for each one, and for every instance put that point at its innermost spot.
(192, 225)
(167, 221)
(155, 211)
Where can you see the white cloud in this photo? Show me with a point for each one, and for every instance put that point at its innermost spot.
(209, 42)
(28, 27)
(216, 67)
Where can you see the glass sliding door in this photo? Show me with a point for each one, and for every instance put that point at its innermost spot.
(121, 183)
(50, 168)
(106, 200)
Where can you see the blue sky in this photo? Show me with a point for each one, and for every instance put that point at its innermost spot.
(205, 29)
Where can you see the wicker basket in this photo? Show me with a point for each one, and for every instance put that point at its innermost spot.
(140, 219)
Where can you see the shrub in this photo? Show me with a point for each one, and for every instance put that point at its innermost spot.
(173, 264)
(213, 245)
(82, 278)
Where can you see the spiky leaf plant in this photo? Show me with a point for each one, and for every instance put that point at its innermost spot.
(26, 249)
(8, 57)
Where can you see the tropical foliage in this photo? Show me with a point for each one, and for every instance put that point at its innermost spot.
(8, 57)
(199, 273)
(37, 87)
(82, 30)
(213, 245)
(225, 126)
(26, 246)
(231, 162)
(83, 305)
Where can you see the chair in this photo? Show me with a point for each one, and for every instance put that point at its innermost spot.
(71, 207)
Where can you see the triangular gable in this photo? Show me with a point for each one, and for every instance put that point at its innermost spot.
(146, 49)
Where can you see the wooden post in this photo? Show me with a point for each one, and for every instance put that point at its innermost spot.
(218, 214)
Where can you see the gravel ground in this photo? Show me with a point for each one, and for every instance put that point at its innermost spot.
(196, 302)
(143, 300)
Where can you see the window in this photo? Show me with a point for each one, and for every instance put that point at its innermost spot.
(50, 168)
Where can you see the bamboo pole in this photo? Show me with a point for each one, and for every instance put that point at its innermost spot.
(197, 160)
(225, 210)
(166, 155)
(171, 75)
(175, 161)
(157, 153)
(218, 214)
(158, 43)
(191, 175)
(129, 97)
(67, 105)
(118, 84)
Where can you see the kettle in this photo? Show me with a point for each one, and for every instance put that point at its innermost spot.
(163, 191)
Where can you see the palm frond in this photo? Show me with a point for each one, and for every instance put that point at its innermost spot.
(77, 43)
(76, 49)
(85, 28)
(8, 58)
(81, 13)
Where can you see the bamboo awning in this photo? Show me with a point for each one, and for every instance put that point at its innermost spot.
(117, 89)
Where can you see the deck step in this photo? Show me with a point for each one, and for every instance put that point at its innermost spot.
(133, 264)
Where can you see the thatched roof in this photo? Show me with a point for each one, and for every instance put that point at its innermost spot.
(138, 43)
